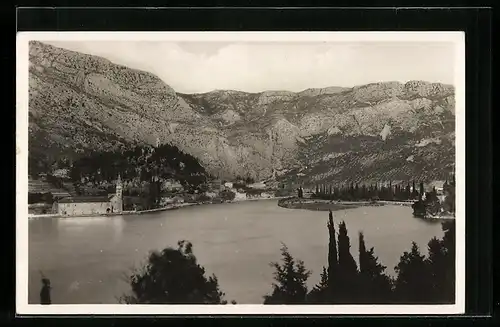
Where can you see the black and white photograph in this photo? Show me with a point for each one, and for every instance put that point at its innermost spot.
(240, 172)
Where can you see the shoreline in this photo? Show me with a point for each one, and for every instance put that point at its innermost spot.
(326, 205)
(166, 208)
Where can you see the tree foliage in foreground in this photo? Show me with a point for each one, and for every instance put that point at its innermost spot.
(291, 277)
(173, 276)
(420, 279)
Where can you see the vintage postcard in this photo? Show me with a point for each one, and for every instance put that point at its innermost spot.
(240, 173)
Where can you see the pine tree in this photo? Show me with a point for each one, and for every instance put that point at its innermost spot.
(323, 283)
(413, 282)
(375, 286)
(449, 201)
(291, 278)
(441, 262)
(414, 193)
(320, 292)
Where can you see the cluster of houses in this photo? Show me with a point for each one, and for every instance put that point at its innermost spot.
(172, 192)
(66, 204)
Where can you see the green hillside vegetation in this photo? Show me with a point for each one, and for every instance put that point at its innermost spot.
(137, 165)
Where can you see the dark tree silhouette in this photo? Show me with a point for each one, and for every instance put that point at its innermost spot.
(320, 292)
(422, 191)
(419, 280)
(432, 203)
(346, 261)
(375, 285)
(300, 192)
(173, 276)
(413, 282)
(449, 201)
(227, 195)
(332, 249)
(291, 277)
(414, 192)
(346, 280)
(324, 292)
(45, 292)
(441, 261)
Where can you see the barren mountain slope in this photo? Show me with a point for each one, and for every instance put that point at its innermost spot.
(383, 130)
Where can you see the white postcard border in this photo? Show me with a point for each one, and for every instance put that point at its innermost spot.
(22, 78)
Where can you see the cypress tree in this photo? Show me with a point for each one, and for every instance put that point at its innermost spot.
(414, 192)
(347, 290)
(345, 259)
(332, 253)
(422, 191)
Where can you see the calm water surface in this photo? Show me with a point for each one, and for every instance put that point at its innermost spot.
(86, 258)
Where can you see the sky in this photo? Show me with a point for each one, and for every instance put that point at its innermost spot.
(198, 67)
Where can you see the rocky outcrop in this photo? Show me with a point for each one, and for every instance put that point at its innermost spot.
(80, 102)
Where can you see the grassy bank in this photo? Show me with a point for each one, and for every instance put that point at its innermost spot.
(323, 205)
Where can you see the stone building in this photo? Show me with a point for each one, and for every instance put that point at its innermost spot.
(91, 205)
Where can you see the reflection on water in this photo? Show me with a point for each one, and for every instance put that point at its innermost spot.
(86, 258)
(112, 226)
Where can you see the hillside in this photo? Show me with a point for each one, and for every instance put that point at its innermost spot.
(386, 130)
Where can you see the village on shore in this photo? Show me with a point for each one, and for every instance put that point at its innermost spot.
(47, 200)
(50, 201)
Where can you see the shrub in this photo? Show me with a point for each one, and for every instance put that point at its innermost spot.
(173, 276)
(227, 195)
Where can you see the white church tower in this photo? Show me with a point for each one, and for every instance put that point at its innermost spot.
(118, 203)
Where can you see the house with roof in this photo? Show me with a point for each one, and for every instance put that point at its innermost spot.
(91, 205)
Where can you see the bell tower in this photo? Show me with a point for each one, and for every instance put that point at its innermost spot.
(119, 195)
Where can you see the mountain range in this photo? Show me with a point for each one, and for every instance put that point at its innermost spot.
(380, 131)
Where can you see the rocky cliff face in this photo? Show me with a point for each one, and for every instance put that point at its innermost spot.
(383, 130)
